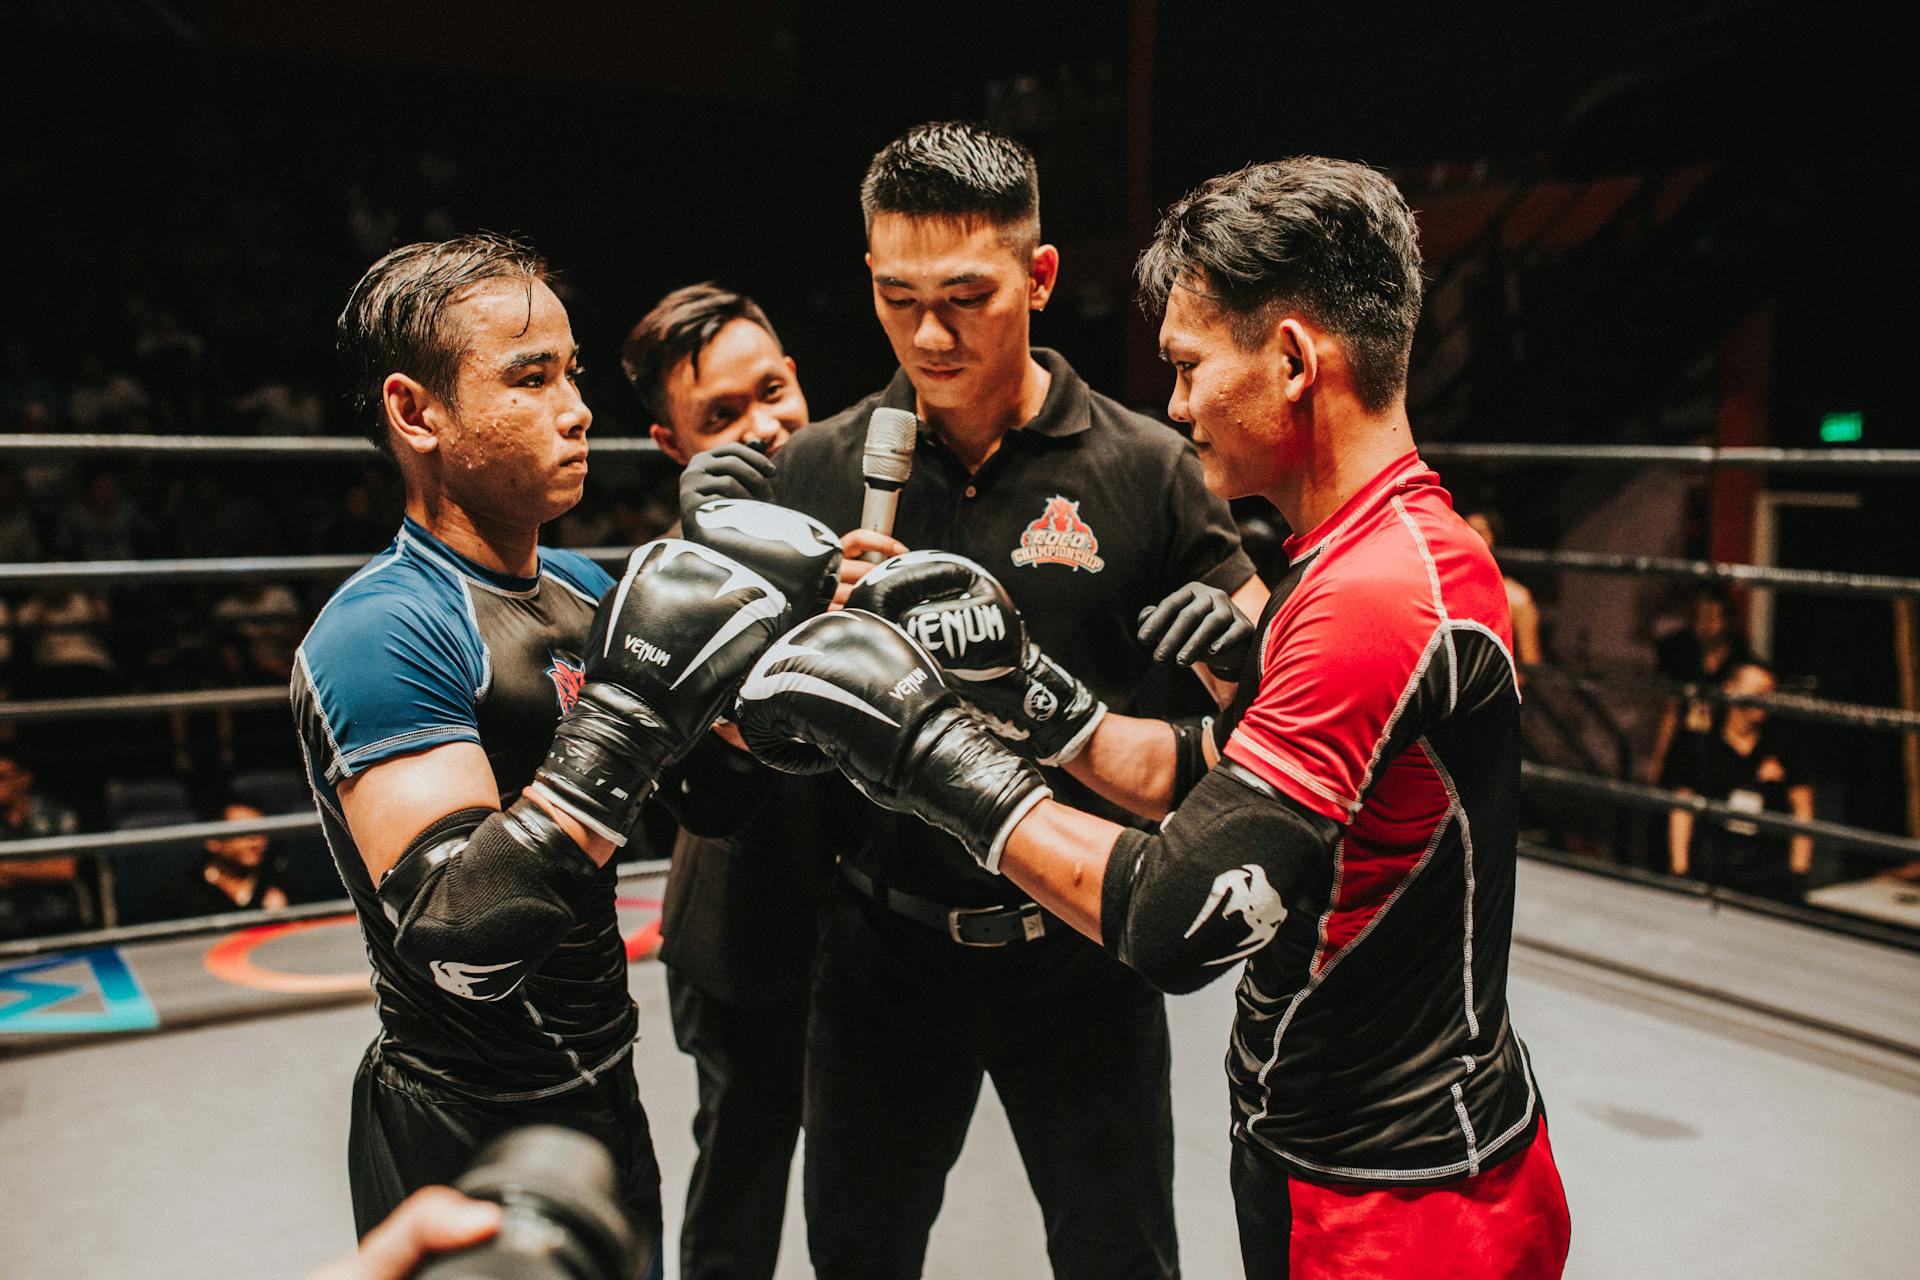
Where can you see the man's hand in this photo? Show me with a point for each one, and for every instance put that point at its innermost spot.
(431, 1220)
(725, 471)
(853, 546)
(962, 614)
(851, 689)
(1198, 622)
(669, 644)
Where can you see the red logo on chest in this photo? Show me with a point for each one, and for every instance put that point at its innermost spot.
(567, 677)
(1059, 536)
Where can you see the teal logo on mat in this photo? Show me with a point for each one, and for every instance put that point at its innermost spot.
(78, 991)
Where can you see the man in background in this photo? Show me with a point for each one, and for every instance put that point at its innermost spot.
(738, 924)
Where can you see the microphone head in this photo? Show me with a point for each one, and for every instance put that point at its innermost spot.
(888, 459)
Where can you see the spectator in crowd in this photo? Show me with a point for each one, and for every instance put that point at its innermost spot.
(1706, 652)
(104, 525)
(62, 630)
(261, 625)
(101, 399)
(1741, 765)
(237, 873)
(1526, 614)
(19, 540)
(38, 895)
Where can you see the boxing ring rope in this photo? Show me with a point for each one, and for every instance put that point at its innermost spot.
(348, 448)
(1497, 455)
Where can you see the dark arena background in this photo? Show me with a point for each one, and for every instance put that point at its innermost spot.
(1666, 348)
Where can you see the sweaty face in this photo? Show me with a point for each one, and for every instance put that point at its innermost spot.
(1234, 399)
(746, 389)
(514, 441)
(954, 300)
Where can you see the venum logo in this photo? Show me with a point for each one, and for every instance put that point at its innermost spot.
(909, 683)
(1246, 892)
(645, 652)
(1040, 702)
(950, 631)
(1059, 536)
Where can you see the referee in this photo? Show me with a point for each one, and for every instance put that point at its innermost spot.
(932, 972)
(1353, 841)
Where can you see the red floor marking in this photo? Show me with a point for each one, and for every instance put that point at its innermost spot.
(231, 958)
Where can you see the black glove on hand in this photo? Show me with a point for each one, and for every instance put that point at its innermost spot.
(795, 552)
(965, 618)
(1196, 622)
(670, 642)
(725, 471)
(850, 689)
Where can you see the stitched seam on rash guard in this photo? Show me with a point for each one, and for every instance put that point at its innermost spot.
(1439, 602)
(1315, 979)
(1466, 858)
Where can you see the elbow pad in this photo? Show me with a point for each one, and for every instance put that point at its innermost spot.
(481, 897)
(1215, 884)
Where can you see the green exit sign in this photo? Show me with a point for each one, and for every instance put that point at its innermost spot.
(1841, 428)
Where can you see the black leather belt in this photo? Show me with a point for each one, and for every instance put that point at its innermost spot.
(968, 926)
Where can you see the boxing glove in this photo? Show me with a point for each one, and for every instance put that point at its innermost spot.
(851, 690)
(795, 552)
(669, 645)
(963, 616)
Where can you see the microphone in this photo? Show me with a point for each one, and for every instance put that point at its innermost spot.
(885, 466)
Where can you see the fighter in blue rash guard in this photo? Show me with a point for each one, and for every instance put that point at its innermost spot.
(480, 735)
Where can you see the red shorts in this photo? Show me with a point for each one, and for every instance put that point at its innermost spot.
(1507, 1223)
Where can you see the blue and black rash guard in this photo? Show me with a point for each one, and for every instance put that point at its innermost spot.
(424, 647)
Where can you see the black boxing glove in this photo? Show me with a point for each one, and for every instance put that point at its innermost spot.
(795, 552)
(729, 470)
(670, 643)
(851, 689)
(1198, 622)
(964, 617)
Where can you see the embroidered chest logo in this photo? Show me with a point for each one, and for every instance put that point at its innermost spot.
(568, 675)
(1059, 536)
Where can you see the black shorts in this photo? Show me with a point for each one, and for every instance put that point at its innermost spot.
(408, 1133)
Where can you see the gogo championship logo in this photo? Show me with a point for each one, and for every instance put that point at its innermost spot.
(1059, 536)
(567, 674)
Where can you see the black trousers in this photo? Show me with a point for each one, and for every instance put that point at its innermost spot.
(407, 1134)
(904, 1024)
(750, 1063)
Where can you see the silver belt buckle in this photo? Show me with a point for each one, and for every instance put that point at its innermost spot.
(953, 925)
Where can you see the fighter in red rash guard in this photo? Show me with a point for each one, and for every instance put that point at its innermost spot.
(1345, 834)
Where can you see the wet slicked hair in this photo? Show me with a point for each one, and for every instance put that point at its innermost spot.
(679, 328)
(396, 320)
(1331, 239)
(952, 169)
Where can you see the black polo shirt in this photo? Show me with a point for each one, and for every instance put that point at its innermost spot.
(1087, 514)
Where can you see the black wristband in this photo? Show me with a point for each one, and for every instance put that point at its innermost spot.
(603, 763)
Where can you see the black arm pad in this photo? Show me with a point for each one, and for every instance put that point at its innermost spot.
(480, 898)
(1189, 753)
(715, 790)
(1215, 884)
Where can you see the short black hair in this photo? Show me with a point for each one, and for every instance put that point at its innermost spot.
(395, 318)
(953, 169)
(1333, 239)
(679, 328)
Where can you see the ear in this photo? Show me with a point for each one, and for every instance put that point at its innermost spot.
(1043, 272)
(1298, 356)
(414, 414)
(669, 445)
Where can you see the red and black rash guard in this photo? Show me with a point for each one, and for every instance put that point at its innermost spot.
(1356, 847)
